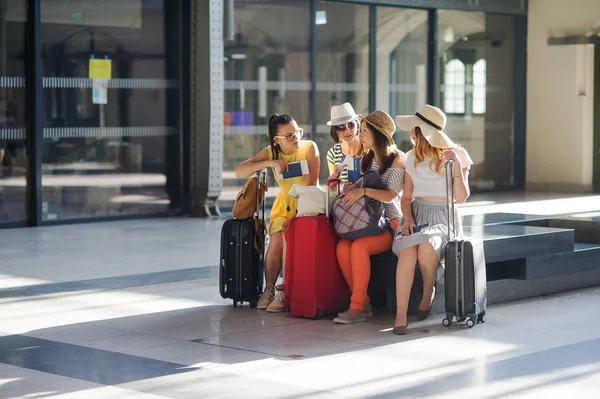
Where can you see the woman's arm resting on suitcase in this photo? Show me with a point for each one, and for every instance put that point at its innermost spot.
(314, 166)
(259, 162)
(461, 185)
(461, 175)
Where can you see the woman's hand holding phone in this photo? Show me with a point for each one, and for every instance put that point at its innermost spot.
(407, 227)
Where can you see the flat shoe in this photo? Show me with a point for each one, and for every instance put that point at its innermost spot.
(422, 314)
(367, 311)
(400, 330)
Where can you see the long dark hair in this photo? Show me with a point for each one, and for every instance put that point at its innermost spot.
(385, 151)
(275, 121)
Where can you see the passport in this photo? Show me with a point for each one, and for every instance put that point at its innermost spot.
(295, 169)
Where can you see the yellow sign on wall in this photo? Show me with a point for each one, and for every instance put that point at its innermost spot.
(100, 68)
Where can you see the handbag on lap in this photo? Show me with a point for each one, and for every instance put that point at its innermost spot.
(364, 218)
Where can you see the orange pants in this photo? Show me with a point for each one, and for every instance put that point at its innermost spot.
(353, 257)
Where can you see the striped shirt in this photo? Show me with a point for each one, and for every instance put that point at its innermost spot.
(335, 157)
(393, 179)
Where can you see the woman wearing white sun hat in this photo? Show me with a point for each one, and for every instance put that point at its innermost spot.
(343, 159)
(423, 204)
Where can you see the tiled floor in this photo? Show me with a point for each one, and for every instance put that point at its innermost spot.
(132, 310)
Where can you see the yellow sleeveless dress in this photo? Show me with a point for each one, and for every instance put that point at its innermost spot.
(284, 207)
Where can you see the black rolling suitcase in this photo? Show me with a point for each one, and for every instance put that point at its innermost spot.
(242, 256)
(465, 276)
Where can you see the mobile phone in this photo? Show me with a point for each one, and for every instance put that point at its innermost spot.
(416, 229)
(420, 227)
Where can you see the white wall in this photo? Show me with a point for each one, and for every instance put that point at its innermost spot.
(560, 95)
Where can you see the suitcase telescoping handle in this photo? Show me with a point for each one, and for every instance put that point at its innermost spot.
(328, 182)
(261, 177)
(450, 202)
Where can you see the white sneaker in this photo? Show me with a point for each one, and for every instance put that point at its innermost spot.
(367, 311)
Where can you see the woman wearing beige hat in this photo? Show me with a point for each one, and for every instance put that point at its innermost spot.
(344, 155)
(422, 237)
(379, 154)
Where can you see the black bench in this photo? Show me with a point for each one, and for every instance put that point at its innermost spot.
(521, 247)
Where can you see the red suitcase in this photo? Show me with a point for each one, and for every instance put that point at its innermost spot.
(314, 284)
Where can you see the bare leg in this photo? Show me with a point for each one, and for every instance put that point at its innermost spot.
(428, 263)
(273, 259)
(405, 274)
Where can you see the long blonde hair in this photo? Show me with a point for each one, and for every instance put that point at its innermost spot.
(424, 151)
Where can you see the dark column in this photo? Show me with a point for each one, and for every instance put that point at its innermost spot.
(33, 88)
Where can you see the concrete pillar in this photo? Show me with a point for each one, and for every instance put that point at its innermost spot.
(206, 106)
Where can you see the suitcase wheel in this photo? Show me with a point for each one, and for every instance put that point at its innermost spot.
(470, 323)
(481, 318)
(234, 303)
(447, 322)
(254, 303)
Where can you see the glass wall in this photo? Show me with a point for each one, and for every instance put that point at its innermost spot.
(342, 66)
(110, 137)
(476, 53)
(267, 70)
(401, 63)
(13, 112)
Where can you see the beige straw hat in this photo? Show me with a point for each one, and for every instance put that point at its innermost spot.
(432, 122)
(383, 123)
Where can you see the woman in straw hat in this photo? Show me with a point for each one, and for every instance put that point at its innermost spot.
(423, 235)
(285, 147)
(344, 128)
(380, 154)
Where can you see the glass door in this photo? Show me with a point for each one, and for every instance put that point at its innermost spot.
(111, 134)
(13, 112)
(401, 63)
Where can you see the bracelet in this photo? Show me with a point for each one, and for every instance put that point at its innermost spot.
(365, 194)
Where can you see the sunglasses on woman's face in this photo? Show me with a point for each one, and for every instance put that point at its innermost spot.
(290, 137)
(349, 126)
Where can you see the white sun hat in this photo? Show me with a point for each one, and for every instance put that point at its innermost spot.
(341, 114)
(432, 122)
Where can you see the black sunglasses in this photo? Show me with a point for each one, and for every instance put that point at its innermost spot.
(349, 126)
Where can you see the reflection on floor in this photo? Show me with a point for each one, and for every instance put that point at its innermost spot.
(132, 310)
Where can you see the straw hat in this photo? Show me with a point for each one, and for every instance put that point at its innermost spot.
(383, 123)
(432, 122)
(341, 114)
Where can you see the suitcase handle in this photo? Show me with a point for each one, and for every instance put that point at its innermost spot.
(450, 201)
(261, 177)
(329, 181)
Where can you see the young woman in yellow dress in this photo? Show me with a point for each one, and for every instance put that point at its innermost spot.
(285, 147)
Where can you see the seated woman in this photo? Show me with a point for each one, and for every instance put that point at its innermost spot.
(380, 154)
(344, 127)
(424, 205)
(285, 147)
